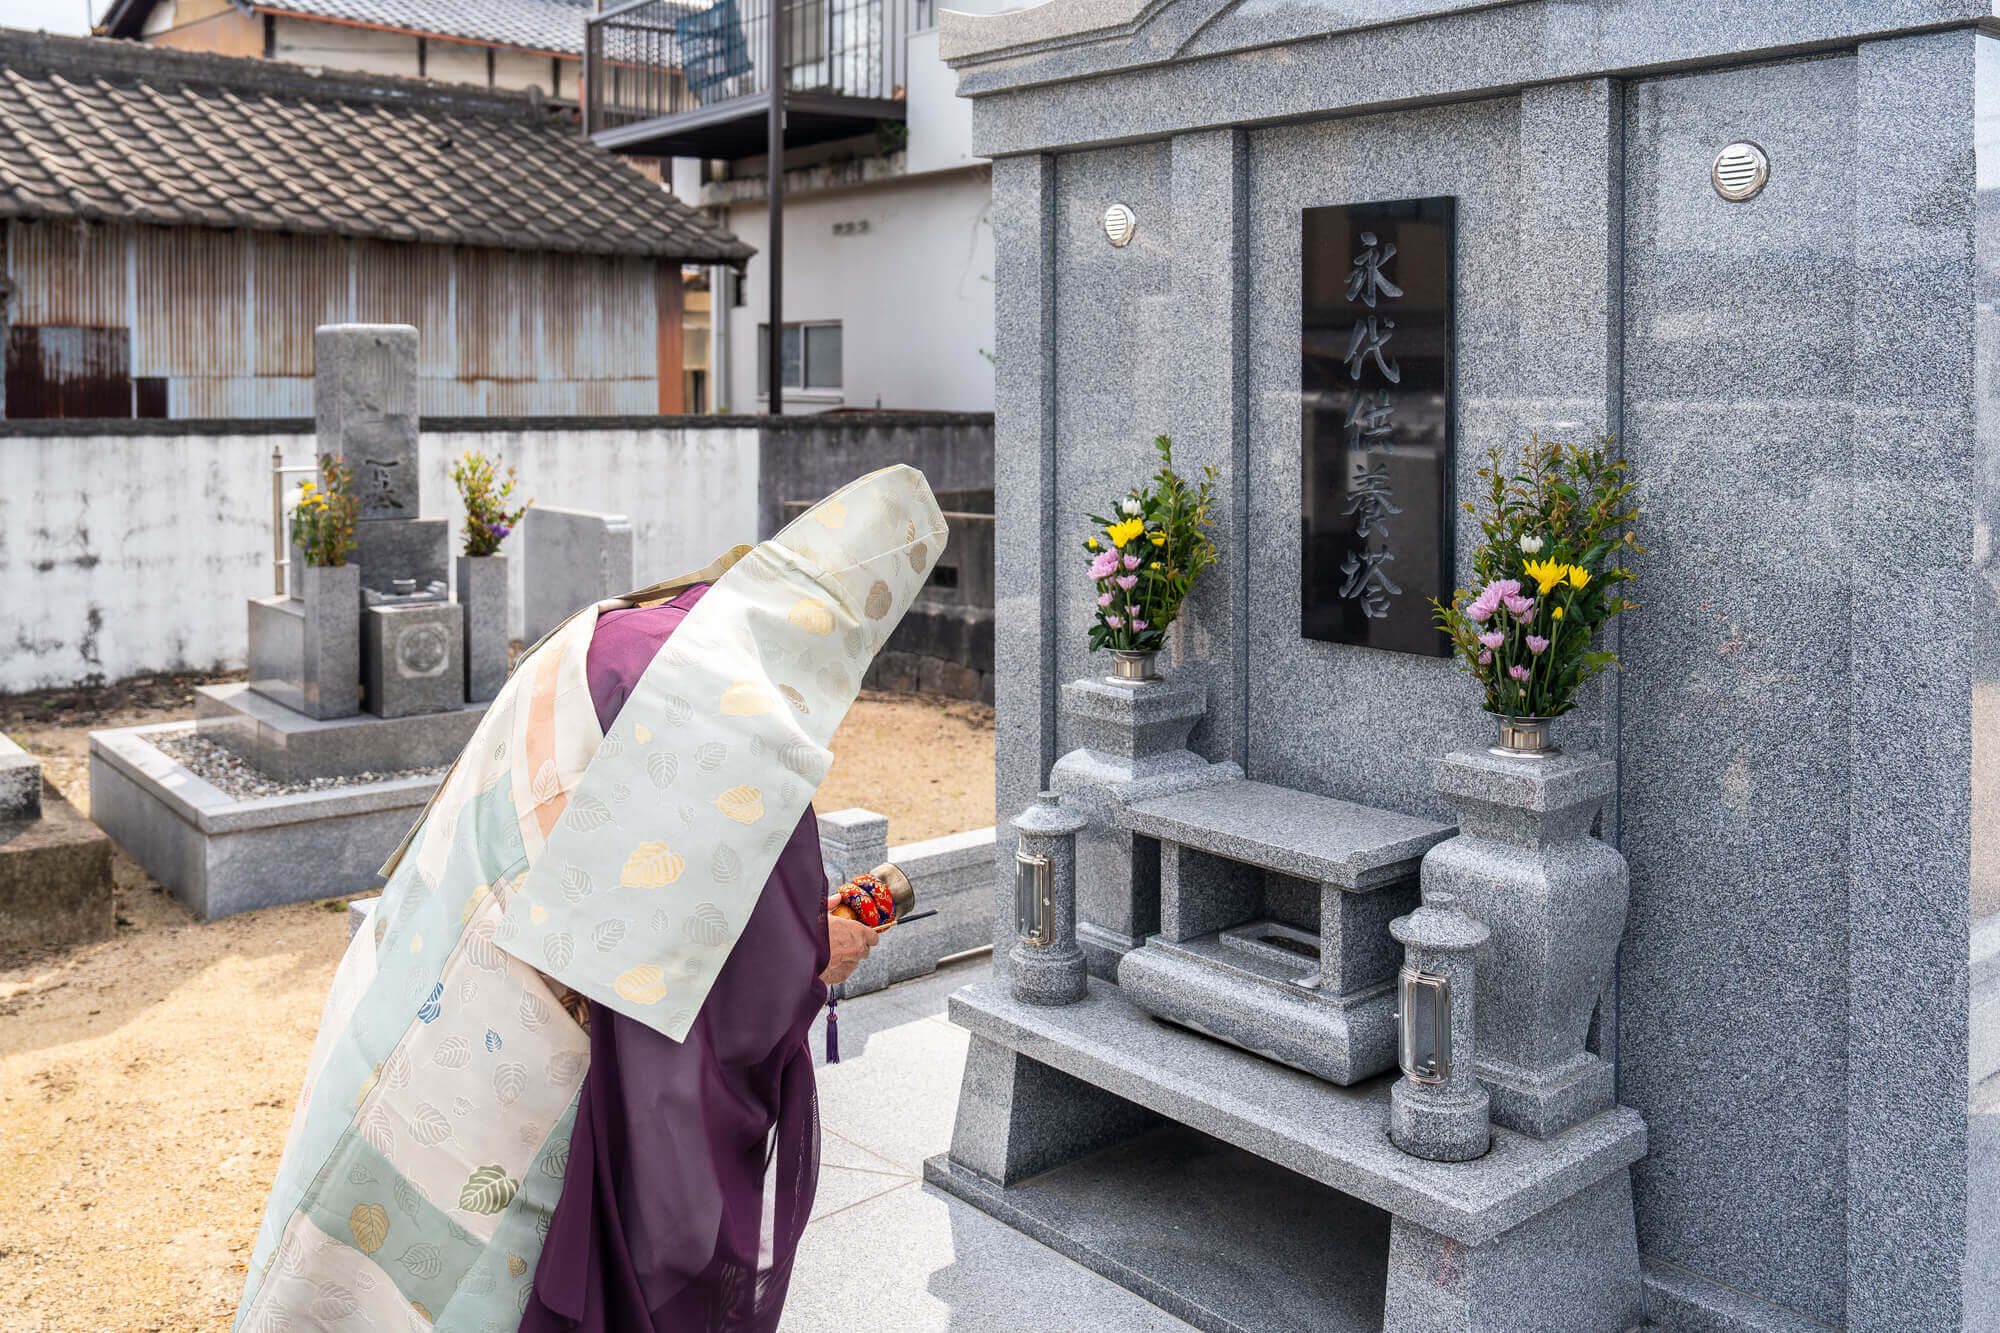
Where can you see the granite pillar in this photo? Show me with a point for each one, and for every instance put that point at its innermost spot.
(852, 841)
(1134, 739)
(1525, 866)
(482, 592)
(1024, 476)
(1018, 1118)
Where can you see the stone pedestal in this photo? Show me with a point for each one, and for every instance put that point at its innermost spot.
(482, 592)
(1554, 897)
(1134, 748)
(55, 865)
(413, 658)
(852, 841)
(20, 782)
(305, 651)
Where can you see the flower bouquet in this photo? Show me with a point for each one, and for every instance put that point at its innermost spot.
(485, 493)
(323, 519)
(1547, 571)
(1145, 559)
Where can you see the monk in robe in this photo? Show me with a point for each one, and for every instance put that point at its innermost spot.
(628, 835)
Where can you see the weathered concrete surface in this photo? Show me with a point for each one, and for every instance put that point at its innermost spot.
(55, 878)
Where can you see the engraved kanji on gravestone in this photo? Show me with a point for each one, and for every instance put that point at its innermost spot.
(1371, 499)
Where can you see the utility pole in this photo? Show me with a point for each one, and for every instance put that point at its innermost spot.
(774, 249)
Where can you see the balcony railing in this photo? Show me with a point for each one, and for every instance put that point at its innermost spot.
(676, 66)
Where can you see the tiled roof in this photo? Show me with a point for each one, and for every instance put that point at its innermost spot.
(535, 25)
(112, 131)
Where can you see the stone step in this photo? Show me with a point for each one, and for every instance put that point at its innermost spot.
(1336, 1136)
(1292, 832)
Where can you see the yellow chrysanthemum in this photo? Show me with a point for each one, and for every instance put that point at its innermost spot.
(1121, 533)
(1092, 544)
(1548, 573)
(1578, 576)
(1158, 539)
(1557, 612)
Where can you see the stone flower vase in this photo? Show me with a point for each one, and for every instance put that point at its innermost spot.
(330, 677)
(1554, 898)
(482, 592)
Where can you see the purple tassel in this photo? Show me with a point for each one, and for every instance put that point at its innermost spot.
(832, 1032)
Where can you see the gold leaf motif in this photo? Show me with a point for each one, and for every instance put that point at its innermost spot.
(812, 616)
(537, 913)
(472, 901)
(879, 601)
(743, 804)
(832, 514)
(516, 1265)
(919, 555)
(744, 699)
(488, 1190)
(794, 698)
(418, 1306)
(642, 985)
(640, 734)
(370, 1224)
(417, 942)
(651, 865)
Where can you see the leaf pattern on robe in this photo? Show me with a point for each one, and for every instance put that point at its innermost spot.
(546, 785)
(708, 756)
(423, 1260)
(493, 1042)
(559, 948)
(566, 1067)
(332, 1302)
(488, 1190)
(369, 1224)
(430, 1009)
(662, 767)
(586, 813)
(533, 1013)
(429, 1127)
(408, 1197)
(607, 934)
(480, 950)
(396, 1069)
(724, 866)
(452, 1053)
(706, 926)
(676, 711)
(510, 1077)
(555, 1161)
(376, 1129)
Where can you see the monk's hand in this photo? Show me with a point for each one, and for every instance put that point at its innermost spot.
(848, 943)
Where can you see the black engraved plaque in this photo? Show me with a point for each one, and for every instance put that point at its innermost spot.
(1378, 422)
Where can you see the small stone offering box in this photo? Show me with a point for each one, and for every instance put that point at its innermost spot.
(1274, 922)
(413, 658)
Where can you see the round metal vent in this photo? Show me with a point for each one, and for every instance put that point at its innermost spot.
(1119, 224)
(1740, 171)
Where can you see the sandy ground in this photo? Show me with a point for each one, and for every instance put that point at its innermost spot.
(147, 1082)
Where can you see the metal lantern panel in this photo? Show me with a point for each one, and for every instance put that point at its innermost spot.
(1034, 897)
(1426, 1026)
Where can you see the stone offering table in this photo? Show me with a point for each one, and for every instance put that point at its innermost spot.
(1274, 922)
(1535, 1235)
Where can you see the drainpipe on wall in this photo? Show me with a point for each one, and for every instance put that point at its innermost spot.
(721, 296)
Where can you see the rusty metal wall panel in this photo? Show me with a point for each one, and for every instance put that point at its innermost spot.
(194, 311)
(297, 284)
(409, 284)
(496, 315)
(68, 371)
(68, 274)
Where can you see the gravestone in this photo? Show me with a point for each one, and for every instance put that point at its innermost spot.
(1772, 278)
(571, 559)
(55, 865)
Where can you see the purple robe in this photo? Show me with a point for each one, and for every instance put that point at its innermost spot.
(663, 1226)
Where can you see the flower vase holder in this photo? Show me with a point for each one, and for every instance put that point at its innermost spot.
(482, 593)
(305, 648)
(1525, 865)
(1133, 747)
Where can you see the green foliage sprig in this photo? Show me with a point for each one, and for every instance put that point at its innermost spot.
(323, 519)
(1146, 559)
(485, 493)
(1555, 531)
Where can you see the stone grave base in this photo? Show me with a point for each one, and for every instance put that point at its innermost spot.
(220, 855)
(55, 878)
(1534, 1235)
(290, 746)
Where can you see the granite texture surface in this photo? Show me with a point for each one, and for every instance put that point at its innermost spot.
(1271, 62)
(481, 583)
(290, 746)
(1048, 967)
(388, 549)
(570, 559)
(852, 841)
(1336, 1136)
(1293, 832)
(55, 878)
(1018, 1117)
(305, 651)
(20, 782)
(1572, 1269)
(1446, 1117)
(1686, 1302)
(413, 659)
(365, 412)
(1735, 773)
(1525, 866)
(1132, 743)
(1024, 476)
(221, 856)
(1209, 1233)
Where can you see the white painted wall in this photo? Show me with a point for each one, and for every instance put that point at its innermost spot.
(123, 554)
(914, 294)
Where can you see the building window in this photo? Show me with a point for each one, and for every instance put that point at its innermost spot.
(923, 15)
(811, 357)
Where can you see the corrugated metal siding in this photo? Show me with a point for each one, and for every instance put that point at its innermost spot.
(68, 275)
(226, 319)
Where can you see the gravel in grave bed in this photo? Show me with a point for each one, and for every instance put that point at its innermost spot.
(230, 772)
